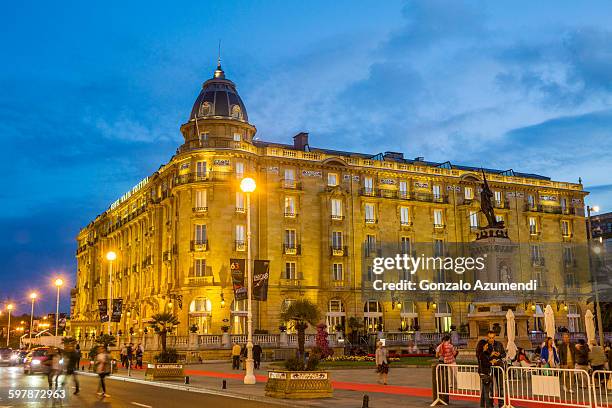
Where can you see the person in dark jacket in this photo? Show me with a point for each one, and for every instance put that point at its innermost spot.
(72, 358)
(494, 352)
(582, 355)
(484, 370)
(567, 358)
(257, 355)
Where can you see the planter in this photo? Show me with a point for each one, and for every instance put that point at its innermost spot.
(298, 384)
(164, 371)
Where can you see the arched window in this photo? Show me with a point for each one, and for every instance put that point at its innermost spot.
(236, 112)
(409, 316)
(443, 317)
(205, 109)
(200, 310)
(239, 314)
(373, 316)
(335, 316)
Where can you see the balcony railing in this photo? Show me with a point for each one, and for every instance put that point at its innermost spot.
(240, 246)
(201, 280)
(200, 209)
(292, 249)
(290, 214)
(290, 282)
(538, 261)
(199, 245)
(240, 210)
(291, 184)
(198, 177)
(338, 250)
(368, 191)
(336, 217)
(370, 221)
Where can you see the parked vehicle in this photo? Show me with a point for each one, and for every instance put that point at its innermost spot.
(6, 357)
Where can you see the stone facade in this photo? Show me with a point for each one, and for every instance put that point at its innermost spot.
(313, 210)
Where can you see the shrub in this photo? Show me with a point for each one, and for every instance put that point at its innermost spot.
(168, 356)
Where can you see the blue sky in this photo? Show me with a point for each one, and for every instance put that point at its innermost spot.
(92, 96)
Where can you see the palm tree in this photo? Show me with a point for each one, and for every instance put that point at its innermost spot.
(106, 340)
(301, 312)
(162, 323)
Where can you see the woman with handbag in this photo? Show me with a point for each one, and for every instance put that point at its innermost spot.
(382, 363)
(549, 357)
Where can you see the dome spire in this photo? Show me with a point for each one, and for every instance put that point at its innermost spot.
(219, 71)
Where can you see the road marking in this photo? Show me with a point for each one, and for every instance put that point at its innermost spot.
(141, 405)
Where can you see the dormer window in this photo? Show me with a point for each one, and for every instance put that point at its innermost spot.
(236, 112)
(205, 109)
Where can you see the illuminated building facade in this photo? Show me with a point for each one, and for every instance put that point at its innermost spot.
(319, 216)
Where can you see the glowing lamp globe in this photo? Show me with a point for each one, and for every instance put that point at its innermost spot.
(248, 185)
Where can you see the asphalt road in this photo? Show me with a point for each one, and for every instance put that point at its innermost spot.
(121, 394)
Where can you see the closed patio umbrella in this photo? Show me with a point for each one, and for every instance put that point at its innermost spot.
(511, 348)
(589, 325)
(549, 321)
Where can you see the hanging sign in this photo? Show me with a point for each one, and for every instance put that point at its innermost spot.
(237, 271)
(116, 313)
(261, 275)
(103, 310)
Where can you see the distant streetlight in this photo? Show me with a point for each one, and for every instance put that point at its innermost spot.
(33, 296)
(110, 257)
(9, 307)
(58, 283)
(248, 185)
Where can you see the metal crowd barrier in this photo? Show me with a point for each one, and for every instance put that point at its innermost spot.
(463, 381)
(602, 386)
(567, 387)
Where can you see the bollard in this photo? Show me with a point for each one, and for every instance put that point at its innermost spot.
(366, 402)
(186, 379)
(224, 386)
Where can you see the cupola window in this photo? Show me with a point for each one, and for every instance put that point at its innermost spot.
(236, 112)
(205, 109)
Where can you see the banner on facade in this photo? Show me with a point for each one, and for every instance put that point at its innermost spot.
(116, 314)
(103, 310)
(261, 276)
(237, 267)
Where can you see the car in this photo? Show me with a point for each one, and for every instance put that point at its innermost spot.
(35, 361)
(6, 357)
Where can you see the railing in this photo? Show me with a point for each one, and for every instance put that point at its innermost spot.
(196, 177)
(338, 250)
(291, 184)
(199, 245)
(292, 249)
(216, 144)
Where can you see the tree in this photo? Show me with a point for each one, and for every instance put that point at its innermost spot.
(162, 323)
(301, 313)
(355, 325)
(106, 340)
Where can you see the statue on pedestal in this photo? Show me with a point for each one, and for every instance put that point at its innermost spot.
(486, 204)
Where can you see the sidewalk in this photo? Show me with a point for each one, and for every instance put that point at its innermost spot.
(408, 387)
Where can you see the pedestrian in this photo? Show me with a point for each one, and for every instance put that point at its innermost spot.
(446, 353)
(582, 355)
(72, 358)
(53, 367)
(123, 355)
(139, 354)
(236, 356)
(484, 371)
(78, 350)
(130, 355)
(548, 356)
(257, 351)
(567, 359)
(382, 362)
(597, 357)
(496, 353)
(103, 369)
(243, 356)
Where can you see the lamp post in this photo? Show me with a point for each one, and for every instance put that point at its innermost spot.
(594, 275)
(33, 296)
(110, 257)
(248, 186)
(58, 283)
(9, 307)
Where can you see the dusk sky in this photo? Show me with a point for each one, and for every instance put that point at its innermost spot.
(92, 96)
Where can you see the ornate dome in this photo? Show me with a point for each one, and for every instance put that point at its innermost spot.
(219, 98)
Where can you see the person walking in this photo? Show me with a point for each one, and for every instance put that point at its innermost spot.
(495, 352)
(54, 367)
(123, 355)
(236, 356)
(103, 369)
(130, 355)
(597, 358)
(446, 353)
(72, 358)
(139, 355)
(382, 362)
(582, 356)
(257, 351)
(567, 359)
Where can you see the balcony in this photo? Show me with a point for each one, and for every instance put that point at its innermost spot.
(215, 143)
(432, 198)
(367, 191)
(200, 280)
(439, 226)
(533, 231)
(386, 193)
(199, 177)
(338, 250)
(538, 261)
(338, 284)
(290, 214)
(290, 282)
(240, 210)
(291, 184)
(371, 221)
(200, 209)
(405, 223)
(292, 249)
(336, 217)
(199, 245)
(240, 246)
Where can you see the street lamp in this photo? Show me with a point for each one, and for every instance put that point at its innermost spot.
(248, 185)
(33, 296)
(110, 257)
(58, 283)
(594, 275)
(9, 307)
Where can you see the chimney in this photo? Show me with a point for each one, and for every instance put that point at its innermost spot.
(300, 141)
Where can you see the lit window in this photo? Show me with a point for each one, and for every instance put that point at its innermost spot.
(200, 200)
(565, 228)
(337, 239)
(289, 206)
(239, 169)
(240, 201)
(336, 208)
(533, 226)
(290, 238)
(473, 219)
(240, 244)
(438, 219)
(290, 270)
(199, 268)
(468, 193)
(370, 217)
(237, 137)
(404, 216)
(436, 191)
(200, 234)
(332, 179)
(201, 169)
(337, 272)
(403, 189)
(368, 185)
